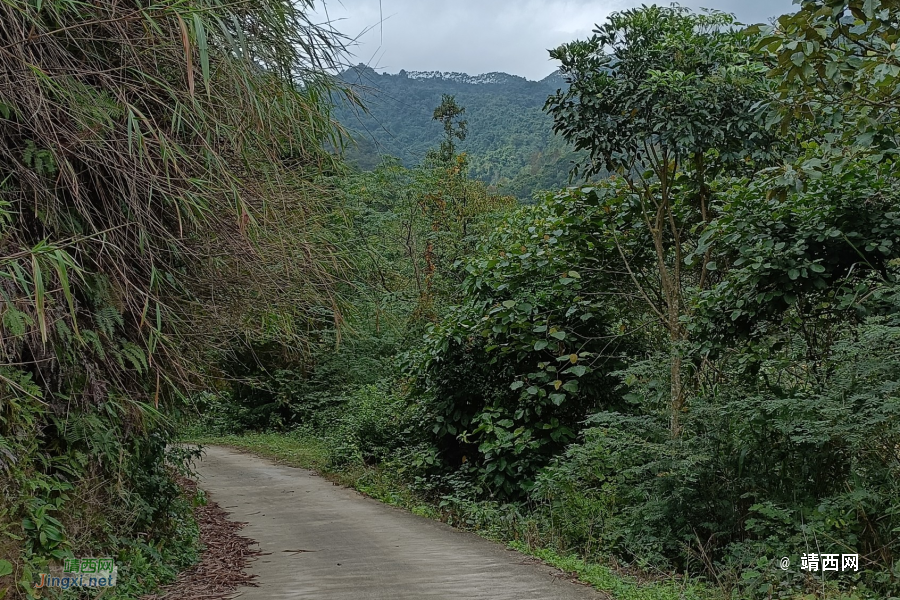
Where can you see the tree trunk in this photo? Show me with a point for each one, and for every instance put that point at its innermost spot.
(676, 404)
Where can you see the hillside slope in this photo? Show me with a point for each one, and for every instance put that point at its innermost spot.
(510, 141)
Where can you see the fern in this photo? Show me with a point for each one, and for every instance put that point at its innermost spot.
(135, 356)
(6, 213)
(63, 331)
(106, 319)
(41, 160)
(92, 339)
(16, 322)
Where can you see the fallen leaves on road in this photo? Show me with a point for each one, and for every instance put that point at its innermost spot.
(222, 565)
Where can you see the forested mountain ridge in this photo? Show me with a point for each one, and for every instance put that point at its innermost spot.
(510, 141)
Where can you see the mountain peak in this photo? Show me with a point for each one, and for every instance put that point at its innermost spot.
(365, 72)
(555, 80)
(482, 79)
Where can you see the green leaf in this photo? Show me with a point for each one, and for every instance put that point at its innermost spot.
(203, 49)
(557, 399)
(869, 8)
(6, 568)
(39, 296)
(793, 274)
(516, 385)
(60, 264)
(817, 268)
(540, 344)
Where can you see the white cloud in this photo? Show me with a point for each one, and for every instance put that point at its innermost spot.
(479, 36)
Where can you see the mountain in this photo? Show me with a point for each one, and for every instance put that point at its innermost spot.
(510, 141)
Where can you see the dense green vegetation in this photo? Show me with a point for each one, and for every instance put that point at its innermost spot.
(511, 143)
(687, 365)
(665, 378)
(154, 215)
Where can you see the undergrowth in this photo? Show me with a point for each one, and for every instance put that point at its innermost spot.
(146, 560)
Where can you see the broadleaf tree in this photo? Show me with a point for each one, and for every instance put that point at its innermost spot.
(663, 99)
(834, 64)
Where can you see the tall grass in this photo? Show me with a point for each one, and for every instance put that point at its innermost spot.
(157, 205)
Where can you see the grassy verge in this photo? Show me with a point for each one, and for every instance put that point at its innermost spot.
(389, 487)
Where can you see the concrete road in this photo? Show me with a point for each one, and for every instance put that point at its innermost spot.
(330, 543)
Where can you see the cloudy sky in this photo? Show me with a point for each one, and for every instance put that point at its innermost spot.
(480, 36)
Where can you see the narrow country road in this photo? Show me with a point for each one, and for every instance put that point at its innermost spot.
(330, 543)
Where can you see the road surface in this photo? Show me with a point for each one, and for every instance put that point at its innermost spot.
(327, 542)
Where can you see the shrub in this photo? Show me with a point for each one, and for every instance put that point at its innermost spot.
(768, 467)
(509, 374)
(375, 423)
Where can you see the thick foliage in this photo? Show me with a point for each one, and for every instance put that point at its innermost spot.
(665, 99)
(660, 83)
(402, 231)
(785, 308)
(821, 252)
(835, 64)
(770, 465)
(511, 372)
(143, 151)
